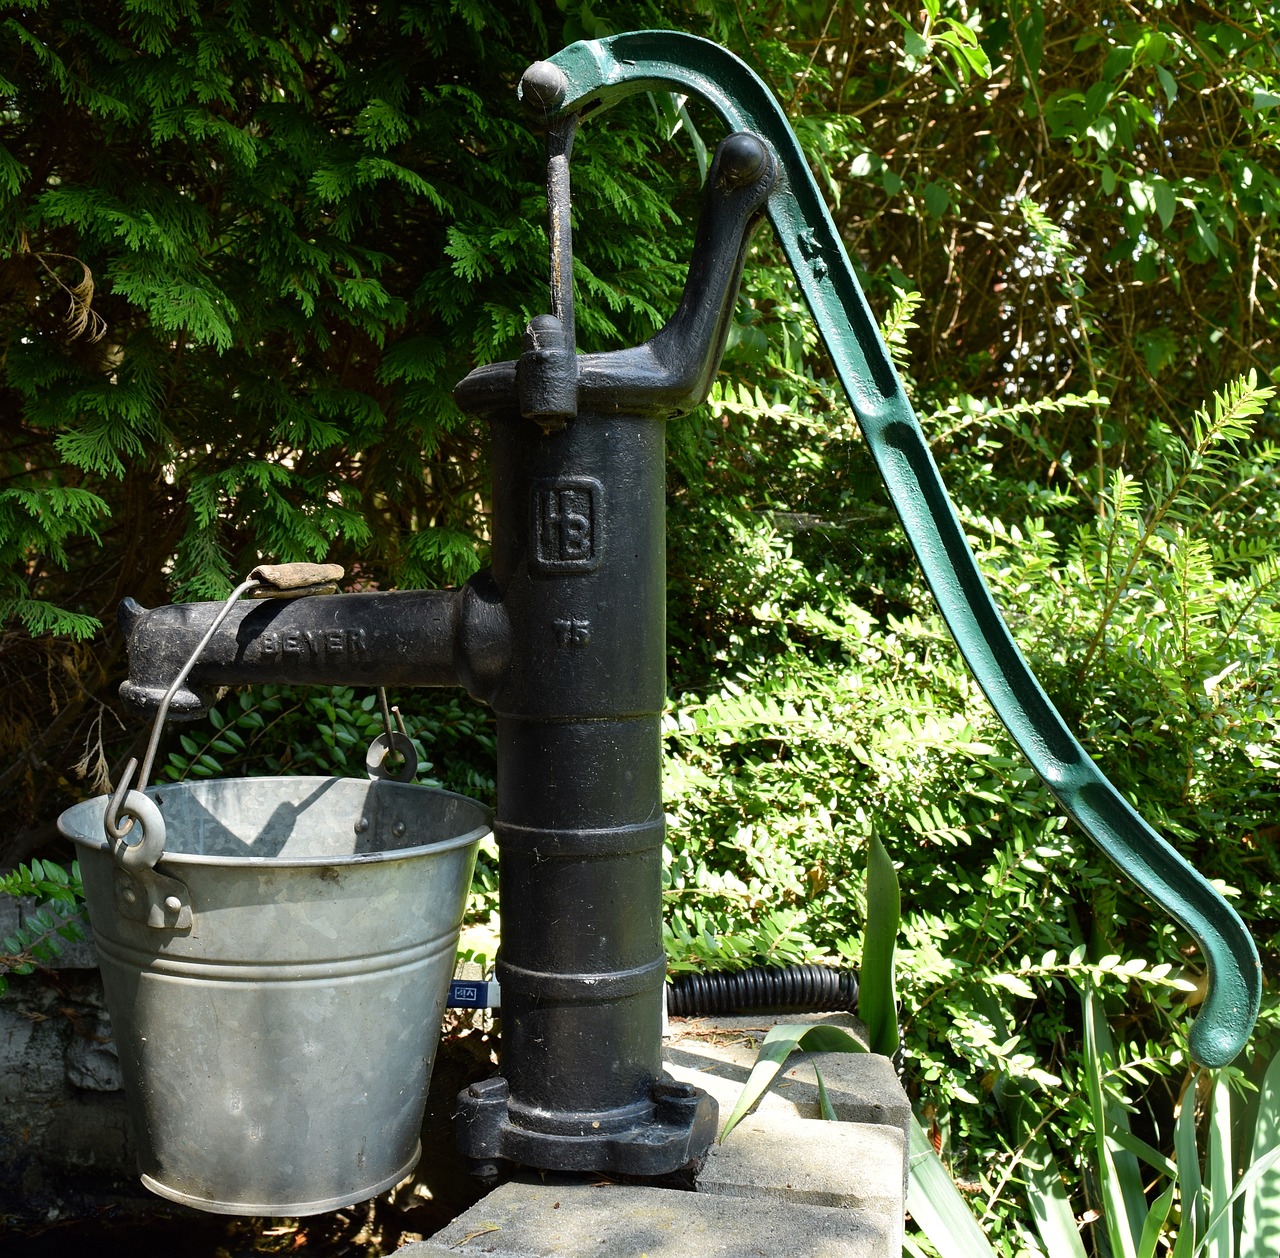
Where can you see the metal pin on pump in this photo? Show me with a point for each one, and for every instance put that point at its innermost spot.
(563, 636)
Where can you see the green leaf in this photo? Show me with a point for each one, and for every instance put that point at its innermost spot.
(1220, 1222)
(1260, 1229)
(1125, 1207)
(877, 995)
(1013, 983)
(1188, 1159)
(1144, 1152)
(936, 1205)
(977, 58)
(936, 199)
(1218, 1239)
(775, 1048)
(1165, 201)
(1030, 31)
(1103, 130)
(1048, 1201)
(1153, 1227)
(1208, 237)
(825, 1107)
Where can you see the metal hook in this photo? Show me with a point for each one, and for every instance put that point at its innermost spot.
(391, 742)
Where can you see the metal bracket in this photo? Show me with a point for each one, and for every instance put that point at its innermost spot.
(669, 1132)
(142, 895)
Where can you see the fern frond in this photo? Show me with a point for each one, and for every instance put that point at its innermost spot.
(1225, 424)
(1227, 420)
(898, 322)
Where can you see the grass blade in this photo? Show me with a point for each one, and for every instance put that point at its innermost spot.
(1116, 1168)
(1049, 1204)
(775, 1048)
(1260, 1231)
(877, 1000)
(1142, 1150)
(1154, 1225)
(1219, 1239)
(824, 1101)
(1255, 1173)
(1189, 1181)
(1047, 1200)
(936, 1205)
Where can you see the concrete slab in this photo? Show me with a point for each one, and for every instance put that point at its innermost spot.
(784, 1148)
(786, 1182)
(862, 1087)
(524, 1219)
(851, 1166)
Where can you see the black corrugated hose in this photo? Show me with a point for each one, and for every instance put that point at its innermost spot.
(811, 988)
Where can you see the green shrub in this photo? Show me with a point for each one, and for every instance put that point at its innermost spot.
(57, 916)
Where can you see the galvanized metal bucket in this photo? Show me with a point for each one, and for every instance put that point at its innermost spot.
(276, 979)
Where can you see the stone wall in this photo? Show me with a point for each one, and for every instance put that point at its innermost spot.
(63, 1118)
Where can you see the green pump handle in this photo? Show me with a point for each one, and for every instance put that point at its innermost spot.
(596, 74)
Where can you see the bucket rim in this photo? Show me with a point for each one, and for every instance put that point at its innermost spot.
(98, 842)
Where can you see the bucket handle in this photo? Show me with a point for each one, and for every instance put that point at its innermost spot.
(142, 893)
(286, 580)
(111, 819)
(149, 821)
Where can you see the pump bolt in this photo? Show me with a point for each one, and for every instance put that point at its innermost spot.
(545, 332)
(673, 1090)
(495, 1090)
(173, 904)
(544, 86)
(742, 159)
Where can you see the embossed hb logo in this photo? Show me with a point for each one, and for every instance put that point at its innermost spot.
(567, 516)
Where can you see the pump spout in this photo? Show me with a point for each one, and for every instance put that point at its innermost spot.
(396, 638)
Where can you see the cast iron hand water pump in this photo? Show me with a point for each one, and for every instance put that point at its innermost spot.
(563, 637)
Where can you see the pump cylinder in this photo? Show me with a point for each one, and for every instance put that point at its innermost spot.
(579, 556)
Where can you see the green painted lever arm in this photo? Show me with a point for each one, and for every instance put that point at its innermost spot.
(599, 72)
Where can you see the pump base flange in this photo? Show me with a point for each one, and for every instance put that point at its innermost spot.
(675, 1129)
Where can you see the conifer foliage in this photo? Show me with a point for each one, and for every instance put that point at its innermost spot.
(246, 251)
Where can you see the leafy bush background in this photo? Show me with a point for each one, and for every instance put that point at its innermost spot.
(303, 223)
